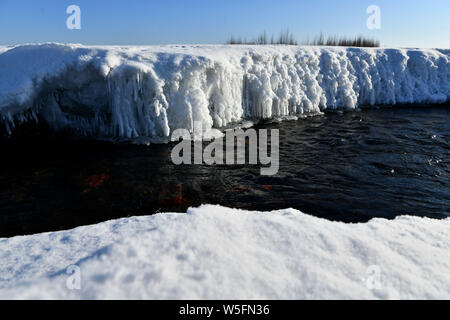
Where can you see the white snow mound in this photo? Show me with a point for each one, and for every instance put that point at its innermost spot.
(218, 253)
(150, 91)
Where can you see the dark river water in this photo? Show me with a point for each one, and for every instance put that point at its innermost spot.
(349, 167)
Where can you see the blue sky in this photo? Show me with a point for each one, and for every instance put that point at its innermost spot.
(408, 23)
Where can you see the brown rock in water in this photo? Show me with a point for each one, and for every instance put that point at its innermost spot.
(95, 181)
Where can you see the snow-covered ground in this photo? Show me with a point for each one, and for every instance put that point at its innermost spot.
(218, 253)
(150, 91)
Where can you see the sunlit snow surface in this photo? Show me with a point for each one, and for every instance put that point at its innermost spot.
(218, 253)
(150, 91)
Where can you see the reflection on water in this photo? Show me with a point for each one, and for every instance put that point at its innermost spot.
(348, 167)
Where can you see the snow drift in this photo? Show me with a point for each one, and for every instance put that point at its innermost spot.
(150, 91)
(218, 253)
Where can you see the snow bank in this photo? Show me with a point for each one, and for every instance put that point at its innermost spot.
(217, 253)
(150, 91)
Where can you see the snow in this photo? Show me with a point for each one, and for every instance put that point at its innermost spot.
(150, 91)
(213, 252)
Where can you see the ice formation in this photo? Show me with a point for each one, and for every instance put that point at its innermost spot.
(150, 91)
(218, 253)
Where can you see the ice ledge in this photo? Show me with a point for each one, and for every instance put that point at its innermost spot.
(150, 91)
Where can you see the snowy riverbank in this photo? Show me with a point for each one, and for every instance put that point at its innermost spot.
(150, 91)
(218, 253)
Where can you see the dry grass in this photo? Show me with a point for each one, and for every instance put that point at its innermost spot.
(286, 38)
(336, 41)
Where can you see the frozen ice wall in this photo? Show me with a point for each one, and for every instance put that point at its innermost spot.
(150, 91)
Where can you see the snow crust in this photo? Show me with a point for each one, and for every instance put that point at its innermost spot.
(213, 252)
(150, 91)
